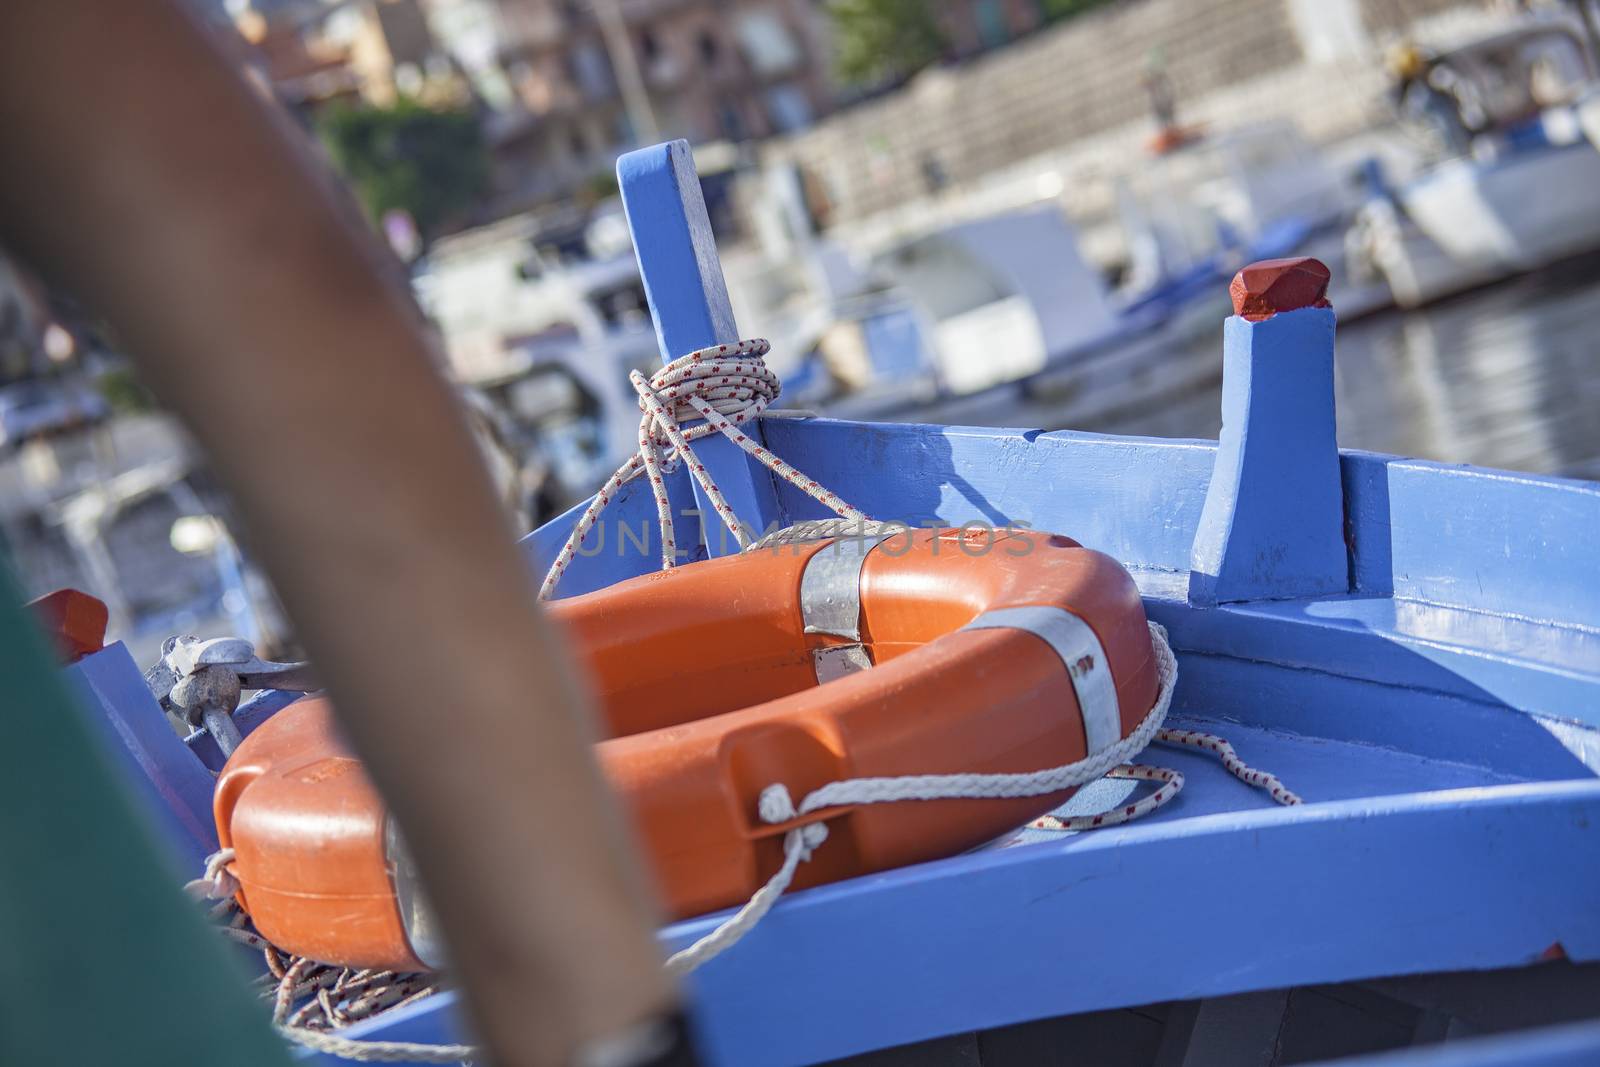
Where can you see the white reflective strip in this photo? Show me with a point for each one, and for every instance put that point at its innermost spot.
(1083, 657)
(830, 588)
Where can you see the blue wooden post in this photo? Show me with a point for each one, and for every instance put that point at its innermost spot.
(689, 302)
(1273, 523)
(163, 777)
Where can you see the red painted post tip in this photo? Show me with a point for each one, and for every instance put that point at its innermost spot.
(75, 621)
(1263, 289)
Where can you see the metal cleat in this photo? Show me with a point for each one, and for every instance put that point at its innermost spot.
(198, 683)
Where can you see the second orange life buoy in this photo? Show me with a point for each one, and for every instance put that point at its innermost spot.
(989, 652)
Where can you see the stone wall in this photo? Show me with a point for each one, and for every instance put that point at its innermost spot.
(1077, 94)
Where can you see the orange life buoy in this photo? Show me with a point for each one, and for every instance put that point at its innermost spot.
(991, 652)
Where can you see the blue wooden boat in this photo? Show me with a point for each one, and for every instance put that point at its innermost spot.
(1412, 647)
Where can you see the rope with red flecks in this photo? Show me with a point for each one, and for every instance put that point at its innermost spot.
(1172, 783)
(725, 386)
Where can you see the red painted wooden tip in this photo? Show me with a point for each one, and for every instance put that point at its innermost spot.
(1263, 289)
(75, 621)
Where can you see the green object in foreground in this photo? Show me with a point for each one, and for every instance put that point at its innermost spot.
(103, 962)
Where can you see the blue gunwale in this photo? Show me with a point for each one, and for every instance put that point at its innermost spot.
(1168, 909)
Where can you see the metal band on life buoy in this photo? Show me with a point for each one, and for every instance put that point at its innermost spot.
(830, 602)
(1081, 654)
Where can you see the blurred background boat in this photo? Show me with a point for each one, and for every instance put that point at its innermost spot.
(545, 318)
(1516, 185)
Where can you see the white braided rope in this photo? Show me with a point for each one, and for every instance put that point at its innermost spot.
(777, 806)
(724, 386)
(363, 1051)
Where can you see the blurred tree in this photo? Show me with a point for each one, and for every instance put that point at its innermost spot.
(431, 163)
(1055, 10)
(883, 40)
(123, 390)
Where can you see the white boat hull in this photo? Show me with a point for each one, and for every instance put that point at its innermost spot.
(1589, 116)
(1468, 222)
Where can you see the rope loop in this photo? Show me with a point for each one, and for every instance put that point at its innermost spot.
(775, 805)
(217, 883)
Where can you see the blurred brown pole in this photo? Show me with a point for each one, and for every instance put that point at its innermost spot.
(635, 97)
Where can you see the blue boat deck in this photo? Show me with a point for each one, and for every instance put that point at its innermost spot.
(1320, 769)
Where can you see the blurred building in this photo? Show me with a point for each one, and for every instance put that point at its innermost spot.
(565, 86)
(1058, 110)
(312, 52)
(557, 74)
(973, 26)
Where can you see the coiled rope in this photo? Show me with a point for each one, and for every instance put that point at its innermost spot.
(725, 386)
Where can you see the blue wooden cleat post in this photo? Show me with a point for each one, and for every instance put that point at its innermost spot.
(689, 301)
(1273, 523)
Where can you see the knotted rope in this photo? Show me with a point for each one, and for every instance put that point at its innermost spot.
(726, 386)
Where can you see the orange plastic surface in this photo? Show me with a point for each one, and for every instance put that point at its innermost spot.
(708, 694)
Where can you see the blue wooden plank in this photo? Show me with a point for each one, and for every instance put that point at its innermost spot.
(1427, 723)
(1342, 891)
(1137, 499)
(625, 543)
(689, 301)
(1412, 647)
(1273, 524)
(171, 787)
(1318, 769)
(1490, 541)
(1149, 912)
(1576, 1045)
(1422, 531)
